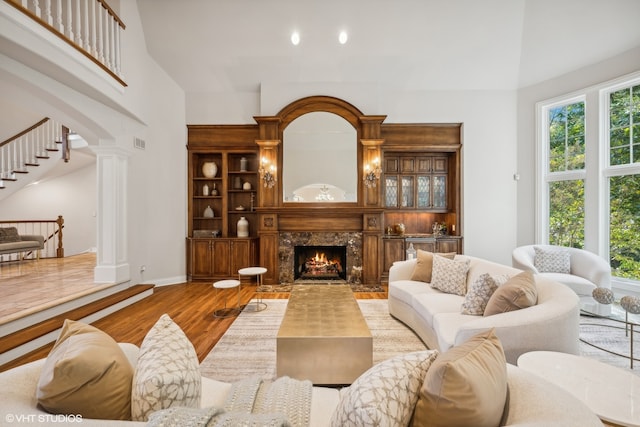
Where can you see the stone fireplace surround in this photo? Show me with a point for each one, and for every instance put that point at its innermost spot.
(288, 240)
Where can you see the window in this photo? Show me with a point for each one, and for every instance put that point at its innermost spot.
(589, 174)
(564, 142)
(622, 174)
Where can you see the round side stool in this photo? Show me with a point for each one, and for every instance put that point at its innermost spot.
(227, 311)
(258, 272)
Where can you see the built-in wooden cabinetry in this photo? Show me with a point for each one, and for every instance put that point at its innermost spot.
(418, 185)
(215, 204)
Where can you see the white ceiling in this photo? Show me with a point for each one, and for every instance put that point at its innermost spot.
(235, 45)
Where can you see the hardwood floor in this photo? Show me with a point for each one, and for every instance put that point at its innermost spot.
(190, 305)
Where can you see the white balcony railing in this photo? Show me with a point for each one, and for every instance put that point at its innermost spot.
(90, 26)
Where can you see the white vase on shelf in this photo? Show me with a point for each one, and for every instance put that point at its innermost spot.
(209, 169)
(243, 227)
(205, 190)
(208, 212)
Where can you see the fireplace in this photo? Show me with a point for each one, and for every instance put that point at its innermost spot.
(349, 245)
(320, 262)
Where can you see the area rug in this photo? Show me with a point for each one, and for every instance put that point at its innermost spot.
(248, 347)
(608, 342)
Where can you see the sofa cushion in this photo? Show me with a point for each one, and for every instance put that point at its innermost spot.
(518, 292)
(449, 275)
(428, 305)
(9, 235)
(579, 285)
(447, 327)
(385, 395)
(86, 373)
(424, 265)
(467, 386)
(552, 260)
(167, 373)
(405, 290)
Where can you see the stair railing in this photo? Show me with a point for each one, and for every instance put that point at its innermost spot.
(50, 229)
(90, 26)
(28, 147)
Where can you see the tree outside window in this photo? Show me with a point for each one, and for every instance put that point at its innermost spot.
(566, 153)
(624, 182)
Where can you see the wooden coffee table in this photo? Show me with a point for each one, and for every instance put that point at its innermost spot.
(323, 336)
(612, 393)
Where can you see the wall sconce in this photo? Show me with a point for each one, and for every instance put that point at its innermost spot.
(372, 173)
(267, 173)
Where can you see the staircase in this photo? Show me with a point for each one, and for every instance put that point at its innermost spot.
(31, 153)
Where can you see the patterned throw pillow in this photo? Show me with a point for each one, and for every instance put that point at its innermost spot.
(479, 293)
(167, 373)
(450, 276)
(552, 260)
(386, 394)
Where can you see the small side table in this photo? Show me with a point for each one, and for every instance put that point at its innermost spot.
(227, 311)
(258, 272)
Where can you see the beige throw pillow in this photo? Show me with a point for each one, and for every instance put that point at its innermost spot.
(518, 292)
(450, 276)
(466, 386)
(86, 373)
(424, 265)
(167, 372)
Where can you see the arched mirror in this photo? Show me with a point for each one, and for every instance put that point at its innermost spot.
(320, 160)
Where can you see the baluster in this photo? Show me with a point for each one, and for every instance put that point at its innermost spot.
(77, 23)
(69, 20)
(85, 26)
(100, 36)
(107, 40)
(117, 65)
(47, 12)
(59, 25)
(36, 8)
(92, 17)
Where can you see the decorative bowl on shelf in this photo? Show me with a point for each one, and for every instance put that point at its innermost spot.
(240, 208)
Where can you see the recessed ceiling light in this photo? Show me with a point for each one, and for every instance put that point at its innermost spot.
(295, 38)
(342, 38)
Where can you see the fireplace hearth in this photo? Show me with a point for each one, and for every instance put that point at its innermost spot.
(320, 262)
(349, 245)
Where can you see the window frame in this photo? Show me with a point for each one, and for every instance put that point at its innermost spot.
(597, 170)
(545, 176)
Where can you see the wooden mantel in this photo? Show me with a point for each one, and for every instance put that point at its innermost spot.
(369, 215)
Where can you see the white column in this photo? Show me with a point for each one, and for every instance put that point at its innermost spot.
(112, 263)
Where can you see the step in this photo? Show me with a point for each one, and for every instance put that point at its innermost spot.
(32, 164)
(24, 336)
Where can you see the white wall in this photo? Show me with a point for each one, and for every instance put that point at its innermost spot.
(527, 99)
(152, 108)
(489, 142)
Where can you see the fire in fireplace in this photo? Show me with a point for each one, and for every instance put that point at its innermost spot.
(320, 262)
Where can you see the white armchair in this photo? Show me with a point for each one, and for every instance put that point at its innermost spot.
(588, 271)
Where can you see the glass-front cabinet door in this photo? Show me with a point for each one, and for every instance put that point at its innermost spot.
(415, 182)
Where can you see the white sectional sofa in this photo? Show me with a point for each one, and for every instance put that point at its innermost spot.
(552, 324)
(532, 401)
